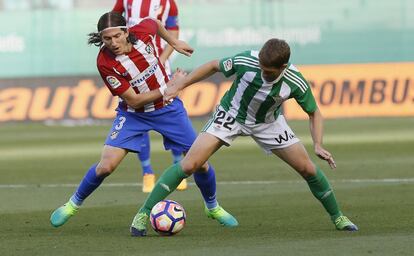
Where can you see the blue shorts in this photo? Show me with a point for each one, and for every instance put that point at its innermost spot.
(171, 122)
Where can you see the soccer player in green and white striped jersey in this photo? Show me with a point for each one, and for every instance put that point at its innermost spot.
(252, 107)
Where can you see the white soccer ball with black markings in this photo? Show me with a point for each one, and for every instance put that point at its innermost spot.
(167, 217)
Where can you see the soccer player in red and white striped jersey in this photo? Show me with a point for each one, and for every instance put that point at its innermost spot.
(138, 69)
(131, 70)
(166, 12)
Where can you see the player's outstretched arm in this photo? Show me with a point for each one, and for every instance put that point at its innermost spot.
(166, 53)
(195, 76)
(180, 46)
(137, 101)
(316, 129)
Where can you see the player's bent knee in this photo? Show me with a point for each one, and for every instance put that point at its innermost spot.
(203, 168)
(104, 169)
(190, 167)
(307, 170)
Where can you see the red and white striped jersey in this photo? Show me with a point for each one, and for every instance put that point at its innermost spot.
(165, 11)
(139, 69)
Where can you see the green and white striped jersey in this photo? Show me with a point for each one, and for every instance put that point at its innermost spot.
(252, 100)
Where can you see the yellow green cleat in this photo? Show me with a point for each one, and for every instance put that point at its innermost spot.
(222, 216)
(343, 223)
(62, 214)
(139, 224)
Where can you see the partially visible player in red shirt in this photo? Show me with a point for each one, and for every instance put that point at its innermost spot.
(166, 12)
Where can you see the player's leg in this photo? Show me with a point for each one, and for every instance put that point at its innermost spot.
(110, 159)
(195, 162)
(205, 177)
(179, 134)
(203, 147)
(148, 177)
(279, 139)
(201, 150)
(296, 156)
(125, 135)
(177, 155)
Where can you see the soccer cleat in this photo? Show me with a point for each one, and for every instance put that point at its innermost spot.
(148, 182)
(343, 223)
(183, 185)
(62, 214)
(222, 216)
(139, 224)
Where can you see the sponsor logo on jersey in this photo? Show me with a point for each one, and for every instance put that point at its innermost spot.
(144, 75)
(149, 49)
(285, 138)
(228, 65)
(113, 82)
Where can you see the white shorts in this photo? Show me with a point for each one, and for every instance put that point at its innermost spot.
(268, 136)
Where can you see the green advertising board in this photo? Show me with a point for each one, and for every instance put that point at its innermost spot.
(47, 42)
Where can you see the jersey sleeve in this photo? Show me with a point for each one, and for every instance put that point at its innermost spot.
(118, 7)
(227, 66)
(116, 83)
(303, 93)
(172, 20)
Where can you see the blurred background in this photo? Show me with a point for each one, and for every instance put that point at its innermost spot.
(358, 55)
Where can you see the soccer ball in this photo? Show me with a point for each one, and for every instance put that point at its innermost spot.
(167, 217)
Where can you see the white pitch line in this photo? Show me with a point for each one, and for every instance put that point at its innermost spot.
(87, 148)
(247, 182)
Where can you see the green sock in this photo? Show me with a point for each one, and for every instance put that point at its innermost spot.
(165, 185)
(321, 189)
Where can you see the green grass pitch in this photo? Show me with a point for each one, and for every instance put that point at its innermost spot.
(40, 166)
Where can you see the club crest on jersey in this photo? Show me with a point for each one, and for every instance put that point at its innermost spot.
(149, 49)
(228, 65)
(113, 82)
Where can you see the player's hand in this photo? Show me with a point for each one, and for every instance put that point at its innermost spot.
(325, 155)
(174, 85)
(170, 93)
(183, 48)
(178, 76)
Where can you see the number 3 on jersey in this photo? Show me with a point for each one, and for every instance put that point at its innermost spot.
(222, 119)
(119, 126)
